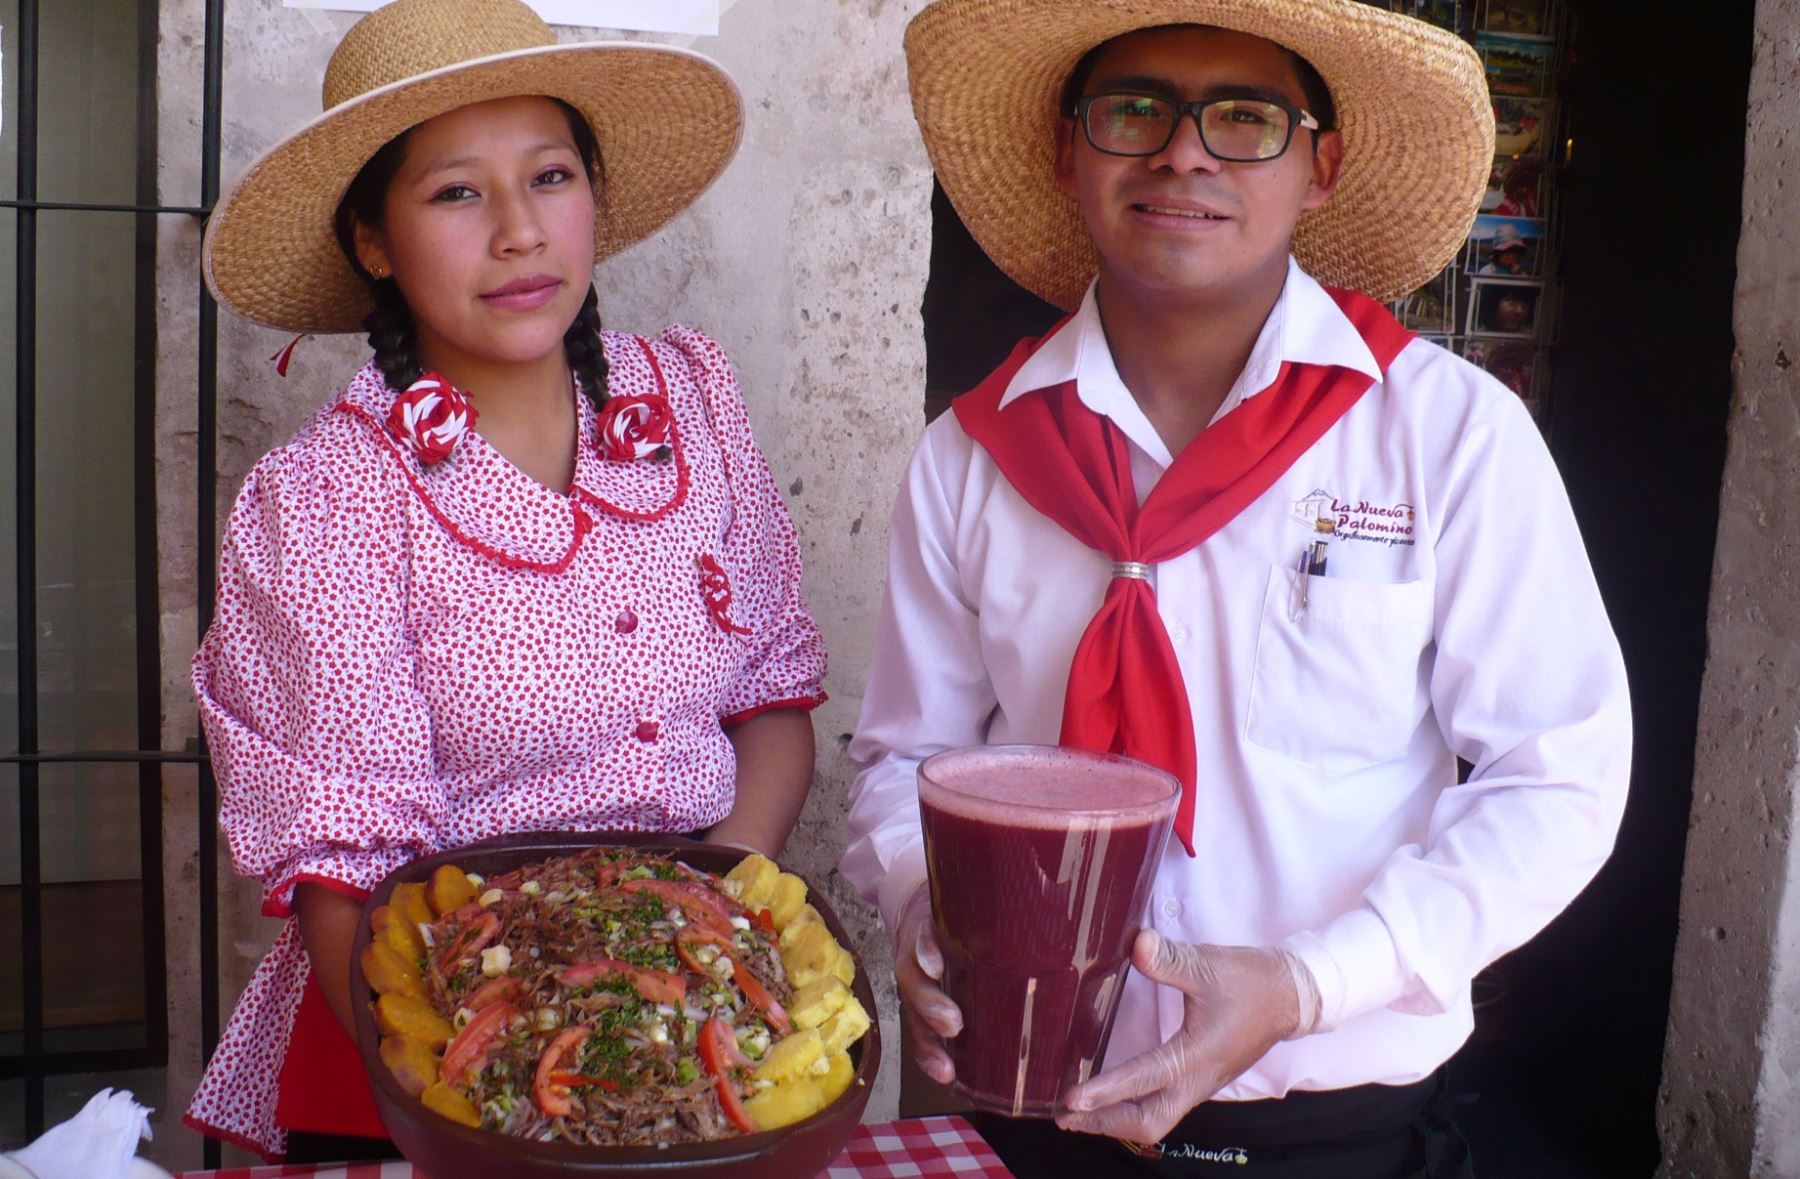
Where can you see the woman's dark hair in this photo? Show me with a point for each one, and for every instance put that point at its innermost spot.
(1312, 86)
(392, 333)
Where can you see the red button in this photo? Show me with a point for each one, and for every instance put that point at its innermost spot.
(625, 623)
(648, 730)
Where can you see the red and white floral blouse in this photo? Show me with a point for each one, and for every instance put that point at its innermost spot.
(409, 657)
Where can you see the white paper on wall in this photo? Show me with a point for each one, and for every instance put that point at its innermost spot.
(692, 17)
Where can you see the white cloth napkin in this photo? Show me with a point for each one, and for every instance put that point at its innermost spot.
(97, 1143)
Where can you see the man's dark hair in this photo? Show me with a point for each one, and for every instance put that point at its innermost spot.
(1312, 86)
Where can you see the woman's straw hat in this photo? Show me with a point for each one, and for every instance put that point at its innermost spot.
(1411, 98)
(667, 120)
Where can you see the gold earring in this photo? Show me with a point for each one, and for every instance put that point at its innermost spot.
(377, 272)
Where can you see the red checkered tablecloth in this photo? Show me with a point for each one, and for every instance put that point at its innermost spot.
(884, 1150)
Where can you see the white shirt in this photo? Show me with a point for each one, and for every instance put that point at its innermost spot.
(1457, 616)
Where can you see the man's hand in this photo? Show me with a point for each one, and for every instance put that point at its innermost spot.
(918, 967)
(1239, 1003)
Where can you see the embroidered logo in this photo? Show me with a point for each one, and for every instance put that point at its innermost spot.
(1356, 519)
(1187, 1150)
(715, 589)
(637, 427)
(431, 417)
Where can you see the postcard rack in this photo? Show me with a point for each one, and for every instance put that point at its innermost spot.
(1497, 303)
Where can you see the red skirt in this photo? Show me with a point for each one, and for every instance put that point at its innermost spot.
(323, 1088)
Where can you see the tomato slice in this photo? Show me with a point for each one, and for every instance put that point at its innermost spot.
(763, 920)
(654, 986)
(474, 937)
(551, 1096)
(492, 991)
(758, 995)
(718, 1048)
(699, 903)
(465, 1052)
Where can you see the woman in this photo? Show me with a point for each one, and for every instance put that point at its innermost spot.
(521, 574)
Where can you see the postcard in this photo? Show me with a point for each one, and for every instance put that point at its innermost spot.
(1500, 307)
(1515, 188)
(1530, 17)
(1508, 247)
(1516, 66)
(1522, 126)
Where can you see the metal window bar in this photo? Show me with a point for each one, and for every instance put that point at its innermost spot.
(36, 1064)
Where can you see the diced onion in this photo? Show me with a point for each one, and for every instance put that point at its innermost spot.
(740, 923)
(556, 897)
(474, 880)
(462, 1018)
(425, 932)
(491, 897)
(495, 960)
(532, 888)
(548, 1019)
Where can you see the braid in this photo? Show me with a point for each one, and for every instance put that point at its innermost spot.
(391, 334)
(581, 344)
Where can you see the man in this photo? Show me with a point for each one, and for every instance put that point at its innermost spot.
(1340, 556)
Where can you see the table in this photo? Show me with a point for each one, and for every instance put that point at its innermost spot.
(926, 1147)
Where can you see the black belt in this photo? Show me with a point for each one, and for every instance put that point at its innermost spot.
(1366, 1132)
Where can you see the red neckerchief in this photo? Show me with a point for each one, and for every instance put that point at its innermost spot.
(1125, 692)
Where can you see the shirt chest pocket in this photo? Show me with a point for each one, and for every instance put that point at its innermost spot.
(1338, 682)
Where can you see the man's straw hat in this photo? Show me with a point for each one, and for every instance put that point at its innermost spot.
(667, 120)
(1411, 99)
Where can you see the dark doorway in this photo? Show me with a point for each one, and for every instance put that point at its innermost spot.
(1562, 1074)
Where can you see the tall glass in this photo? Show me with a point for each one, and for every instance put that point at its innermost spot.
(1041, 860)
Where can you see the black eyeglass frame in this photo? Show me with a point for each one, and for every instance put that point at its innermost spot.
(1298, 118)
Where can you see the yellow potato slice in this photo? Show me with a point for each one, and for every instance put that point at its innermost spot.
(791, 1056)
(453, 1105)
(754, 878)
(449, 889)
(394, 929)
(785, 1103)
(412, 1063)
(845, 1027)
(817, 1002)
(837, 1077)
(785, 899)
(403, 1015)
(409, 901)
(389, 973)
(844, 969)
(799, 927)
(812, 955)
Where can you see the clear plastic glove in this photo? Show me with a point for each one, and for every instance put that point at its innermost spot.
(918, 968)
(97, 1143)
(1239, 1002)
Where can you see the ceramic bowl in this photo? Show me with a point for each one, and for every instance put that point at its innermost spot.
(446, 1150)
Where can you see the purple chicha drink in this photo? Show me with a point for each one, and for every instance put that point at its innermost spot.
(1041, 861)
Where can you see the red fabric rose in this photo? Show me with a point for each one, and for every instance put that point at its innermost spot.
(635, 427)
(431, 417)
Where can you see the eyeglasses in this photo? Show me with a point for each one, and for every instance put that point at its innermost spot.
(1238, 130)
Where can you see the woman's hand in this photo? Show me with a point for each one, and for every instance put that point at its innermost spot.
(1239, 1002)
(918, 968)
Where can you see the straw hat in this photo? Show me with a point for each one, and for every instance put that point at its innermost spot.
(1412, 104)
(667, 120)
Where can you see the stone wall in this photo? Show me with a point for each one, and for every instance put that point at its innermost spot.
(1730, 1103)
(806, 261)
